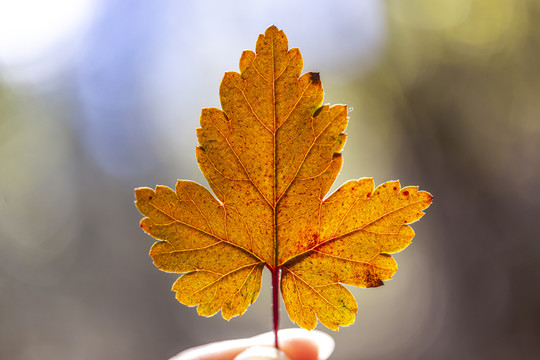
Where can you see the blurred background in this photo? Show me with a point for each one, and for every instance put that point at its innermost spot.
(100, 97)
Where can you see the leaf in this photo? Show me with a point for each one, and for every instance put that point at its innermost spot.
(270, 157)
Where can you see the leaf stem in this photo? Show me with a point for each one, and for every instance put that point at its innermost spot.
(275, 303)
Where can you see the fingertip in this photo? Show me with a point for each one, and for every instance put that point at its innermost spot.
(300, 349)
(262, 353)
(300, 344)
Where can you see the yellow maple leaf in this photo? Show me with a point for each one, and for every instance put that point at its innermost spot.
(270, 157)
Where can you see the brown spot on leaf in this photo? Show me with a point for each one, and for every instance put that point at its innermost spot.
(315, 238)
(373, 281)
(315, 78)
(406, 193)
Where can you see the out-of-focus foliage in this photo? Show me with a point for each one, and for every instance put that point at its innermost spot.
(444, 93)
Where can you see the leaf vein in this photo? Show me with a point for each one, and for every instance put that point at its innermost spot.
(223, 276)
(336, 237)
(313, 289)
(305, 156)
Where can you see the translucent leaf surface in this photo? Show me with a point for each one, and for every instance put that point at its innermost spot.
(270, 156)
